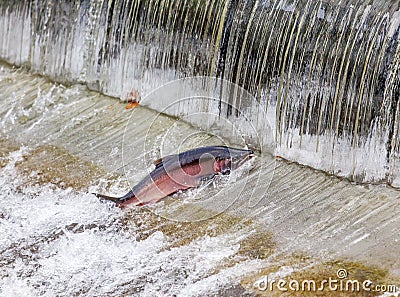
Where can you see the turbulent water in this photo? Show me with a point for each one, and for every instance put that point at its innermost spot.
(63, 242)
(314, 82)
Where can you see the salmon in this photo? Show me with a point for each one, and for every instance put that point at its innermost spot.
(182, 171)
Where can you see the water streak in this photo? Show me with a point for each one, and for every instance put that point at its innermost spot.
(327, 73)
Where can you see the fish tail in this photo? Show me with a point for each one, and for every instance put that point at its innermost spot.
(109, 198)
(123, 201)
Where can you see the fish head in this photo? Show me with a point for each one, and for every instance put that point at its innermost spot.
(228, 159)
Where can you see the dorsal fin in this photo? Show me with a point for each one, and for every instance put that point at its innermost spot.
(159, 162)
(185, 157)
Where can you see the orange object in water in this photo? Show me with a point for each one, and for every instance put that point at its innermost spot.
(132, 99)
(131, 105)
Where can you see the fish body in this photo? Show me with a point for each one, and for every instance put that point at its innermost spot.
(182, 171)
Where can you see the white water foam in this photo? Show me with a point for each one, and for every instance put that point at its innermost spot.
(59, 242)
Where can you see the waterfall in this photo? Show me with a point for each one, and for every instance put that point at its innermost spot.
(327, 73)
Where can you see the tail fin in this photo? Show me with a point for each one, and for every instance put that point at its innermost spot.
(104, 197)
(123, 201)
